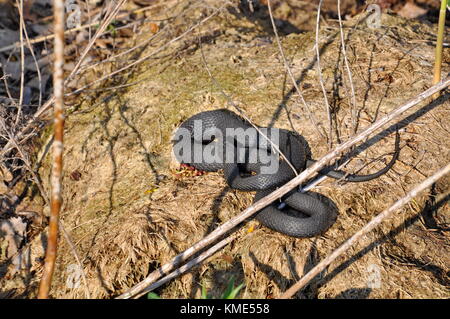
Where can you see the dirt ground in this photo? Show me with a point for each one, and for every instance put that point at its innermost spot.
(129, 210)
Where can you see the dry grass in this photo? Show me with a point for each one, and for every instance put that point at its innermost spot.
(129, 213)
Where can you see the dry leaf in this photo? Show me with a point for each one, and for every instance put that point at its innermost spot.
(411, 11)
(12, 235)
(154, 27)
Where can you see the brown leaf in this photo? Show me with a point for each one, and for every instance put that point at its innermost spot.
(229, 259)
(75, 175)
(411, 11)
(154, 27)
(13, 234)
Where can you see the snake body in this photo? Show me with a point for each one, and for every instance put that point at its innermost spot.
(301, 214)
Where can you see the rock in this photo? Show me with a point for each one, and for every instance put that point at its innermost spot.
(125, 217)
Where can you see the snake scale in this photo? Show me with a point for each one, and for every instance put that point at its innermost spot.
(296, 214)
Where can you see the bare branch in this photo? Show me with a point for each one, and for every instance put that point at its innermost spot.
(140, 60)
(306, 174)
(349, 72)
(20, 135)
(86, 26)
(291, 75)
(56, 198)
(97, 34)
(22, 61)
(208, 253)
(439, 43)
(319, 73)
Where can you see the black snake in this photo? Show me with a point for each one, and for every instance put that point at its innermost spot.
(298, 214)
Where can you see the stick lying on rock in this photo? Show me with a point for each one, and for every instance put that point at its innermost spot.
(136, 291)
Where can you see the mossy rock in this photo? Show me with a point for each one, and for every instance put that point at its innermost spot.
(128, 212)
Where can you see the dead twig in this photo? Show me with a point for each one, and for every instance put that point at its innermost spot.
(319, 74)
(30, 47)
(25, 159)
(86, 26)
(56, 197)
(291, 75)
(439, 43)
(349, 72)
(108, 76)
(40, 112)
(306, 174)
(22, 61)
(114, 58)
(197, 260)
(364, 231)
(48, 104)
(97, 34)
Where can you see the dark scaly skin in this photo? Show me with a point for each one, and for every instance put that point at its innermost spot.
(306, 214)
(292, 146)
(361, 178)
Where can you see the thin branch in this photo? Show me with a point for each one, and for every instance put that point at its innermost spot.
(89, 25)
(50, 101)
(364, 231)
(38, 70)
(114, 58)
(97, 34)
(291, 75)
(439, 43)
(197, 260)
(44, 195)
(8, 92)
(24, 158)
(140, 60)
(22, 61)
(349, 72)
(56, 197)
(306, 174)
(322, 85)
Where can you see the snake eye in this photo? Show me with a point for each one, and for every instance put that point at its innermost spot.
(213, 139)
(245, 171)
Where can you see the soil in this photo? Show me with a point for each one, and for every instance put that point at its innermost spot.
(129, 209)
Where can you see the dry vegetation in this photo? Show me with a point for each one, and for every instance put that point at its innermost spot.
(128, 209)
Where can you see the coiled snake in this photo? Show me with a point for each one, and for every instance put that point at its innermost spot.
(219, 133)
